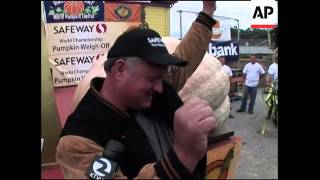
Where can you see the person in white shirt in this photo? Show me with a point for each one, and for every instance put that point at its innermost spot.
(272, 76)
(252, 72)
(228, 71)
(224, 66)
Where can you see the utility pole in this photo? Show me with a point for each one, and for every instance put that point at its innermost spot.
(180, 11)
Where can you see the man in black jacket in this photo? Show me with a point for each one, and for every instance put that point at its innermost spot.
(134, 105)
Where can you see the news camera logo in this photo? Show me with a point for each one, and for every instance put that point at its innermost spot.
(100, 168)
(264, 13)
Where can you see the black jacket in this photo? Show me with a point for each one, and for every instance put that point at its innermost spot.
(100, 121)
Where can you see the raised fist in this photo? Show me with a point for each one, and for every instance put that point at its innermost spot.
(192, 124)
(209, 7)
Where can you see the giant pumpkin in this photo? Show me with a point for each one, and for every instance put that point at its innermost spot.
(208, 82)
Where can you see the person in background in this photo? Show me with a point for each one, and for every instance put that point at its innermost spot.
(272, 79)
(228, 71)
(251, 72)
(272, 76)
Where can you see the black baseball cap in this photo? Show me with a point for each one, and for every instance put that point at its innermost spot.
(146, 44)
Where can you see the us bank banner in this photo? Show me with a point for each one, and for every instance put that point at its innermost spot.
(221, 30)
(74, 46)
(229, 49)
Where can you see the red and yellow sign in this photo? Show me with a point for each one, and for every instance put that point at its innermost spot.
(117, 12)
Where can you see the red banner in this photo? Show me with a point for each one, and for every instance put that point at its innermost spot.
(121, 12)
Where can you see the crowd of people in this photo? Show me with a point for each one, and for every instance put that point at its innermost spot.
(252, 73)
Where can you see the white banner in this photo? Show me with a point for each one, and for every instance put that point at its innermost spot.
(68, 70)
(73, 47)
(83, 37)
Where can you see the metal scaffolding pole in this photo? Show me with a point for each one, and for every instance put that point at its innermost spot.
(181, 11)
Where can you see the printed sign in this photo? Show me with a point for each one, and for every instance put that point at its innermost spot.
(117, 12)
(221, 31)
(68, 70)
(85, 37)
(74, 11)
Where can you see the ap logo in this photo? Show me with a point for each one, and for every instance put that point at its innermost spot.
(264, 13)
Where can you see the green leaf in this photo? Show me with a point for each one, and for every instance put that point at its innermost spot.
(95, 8)
(51, 12)
(87, 10)
(59, 10)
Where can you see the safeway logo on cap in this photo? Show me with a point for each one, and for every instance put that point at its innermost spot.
(156, 42)
(264, 13)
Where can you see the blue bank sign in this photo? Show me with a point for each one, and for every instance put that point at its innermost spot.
(229, 49)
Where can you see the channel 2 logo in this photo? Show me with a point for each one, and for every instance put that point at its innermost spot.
(101, 28)
(102, 167)
(264, 14)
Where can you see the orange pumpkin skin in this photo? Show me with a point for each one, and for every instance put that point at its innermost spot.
(215, 166)
(73, 8)
(224, 174)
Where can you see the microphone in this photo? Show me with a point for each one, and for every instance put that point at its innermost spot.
(105, 166)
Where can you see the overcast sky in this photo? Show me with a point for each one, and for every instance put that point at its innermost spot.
(232, 9)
